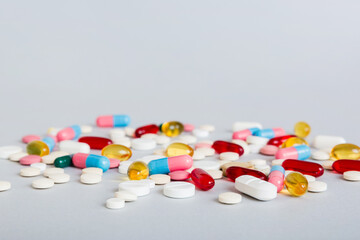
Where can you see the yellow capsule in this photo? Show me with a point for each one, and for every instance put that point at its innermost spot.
(37, 148)
(117, 151)
(296, 184)
(345, 151)
(302, 129)
(138, 170)
(172, 129)
(294, 141)
(177, 149)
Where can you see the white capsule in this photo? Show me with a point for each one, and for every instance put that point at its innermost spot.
(179, 190)
(200, 133)
(237, 126)
(17, 156)
(323, 141)
(229, 156)
(6, 151)
(73, 147)
(256, 187)
(143, 144)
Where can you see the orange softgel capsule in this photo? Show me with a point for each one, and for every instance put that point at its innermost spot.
(117, 151)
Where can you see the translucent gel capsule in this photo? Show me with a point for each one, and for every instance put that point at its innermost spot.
(296, 184)
(222, 146)
(243, 134)
(117, 151)
(294, 141)
(300, 152)
(97, 143)
(177, 149)
(172, 129)
(276, 177)
(278, 141)
(63, 161)
(302, 129)
(113, 121)
(152, 128)
(308, 168)
(69, 133)
(345, 165)
(345, 151)
(270, 132)
(202, 179)
(39, 148)
(235, 172)
(138, 170)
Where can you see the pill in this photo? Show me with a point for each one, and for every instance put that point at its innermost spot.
(143, 144)
(277, 176)
(49, 159)
(327, 164)
(129, 131)
(234, 172)
(172, 128)
(215, 174)
(116, 151)
(126, 196)
(256, 187)
(179, 175)
(202, 179)
(188, 127)
(152, 128)
(302, 129)
(69, 133)
(63, 161)
(258, 162)
(4, 186)
(260, 141)
(42, 183)
(352, 175)
(243, 144)
(207, 127)
(30, 138)
(161, 140)
(269, 150)
(345, 151)
(72, 147)
(229, 156)
(38, 147)
(86, 128)
(29, 159)
(293, 141)
(52, 131)
(152, 136)
(237, 126)
(93, 170)
(187, 139)
(270, 132)
(208, 152)
(114, 163)
(198, 155)
(138, 170)
(160, 179)
(116, 133)
(200, 133)
(30, 172)
(320, 155)
(277, 161)
(113, 121)
(17, 156)
(135, 187)
(207, 165)
(115, 203)
(6, 151)
(97, 143)
(125, 141)
(296, 184)
(124, 166)
(345, 165)
(83, 160)
(41, 166)
(317, 187)
(229, 198)
(90, 178)
(177, 149)
(243, 134)
(255, 148)
(265, 169)
(300, 152)
(203, 144)
(166, 165)
(303, 167)
(60, 177)
(225, 166)
(150, 182)
(323, 141)
(179, 190)
(278, 141)
(222, 146)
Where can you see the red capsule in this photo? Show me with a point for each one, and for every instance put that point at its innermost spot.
(202, 179)
(345, 165)
(304, 167)
(222, 146)
(278, 141)
(152, 128)
(96, 142)
(235, 172)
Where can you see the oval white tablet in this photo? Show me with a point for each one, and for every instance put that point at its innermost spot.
(126, 196)
(317, 186)
(179, 190)
(320, 155)
(115, 203)
(73, 147)
(200, 133)
(323, 141)
(17, 156)
(42, 183)
(207, 165)
(207, 127)
(30, 172)
(49, 159)
(90, 178)
(229, 156)
(4, 186)
(86, 128)
(256, 187)
(60, 177)
(93, 170)
(143, 144)
(6, 151)
(229, 198)
(208, 152)
(215, 174)
(41, 166)
(352, 176)
(160, 179)
(135, 187)
(49, 171)
(257, 140)
(237, 126)
(198, 155)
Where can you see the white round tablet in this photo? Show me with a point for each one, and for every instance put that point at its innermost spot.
(124, 166)
(136, 187)
(198, 155)
(229, 156)
(122, 141)
(206, 151)
(255, 148)
(143, 144)
(229, 198)
(327, 164)
(60, 177)
(129, 131)
(160, 179)
(162, 140)
(126, 196)
(207, 165)
(179, 190)
(187, 139)
(30, 172)
(317, 186)
(17, 156)
(309, 178)
(215, 174)
(257, 140)
(115, 203)
(42, 183)
(147, 181)
(90, 178)
(6, 151)
(86, 128)
(200, 133)
(49, 171)
(152, 136)
(320, 155)
(41, 166)
(207, 127)
(352, 175)
(93, 170)
(4, 186)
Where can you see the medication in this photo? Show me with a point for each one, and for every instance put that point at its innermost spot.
(188, 127)
(116, 133)
(310, 178)
(302, 129)
(352, 176)
(6, 151)
(215, 173)
(69, 133)
(325, 142)
(256, 187)
(200, 133)
(72, 147)
(276, 177)
(300, 152)
(270, 132)
(30, 159)
(261, 141)
(345, 151)
(41, 148)
(229, 198)
(172, 129)
(30, 172)
(202, 179)
(207, 127)
(42, 183)
(50, 171)
(294, 141)
(63, 161)
(243, 134)
(97, 143)
(177, 149)
(129, 131)
(86, 129)
(320, 155)
(126, 196)
(115, 203)
(317, 187)
(198, 155)
(94, 170)
(143, 144)
(296, 184)
(41, 166)
(234, 172)
(125, 141)
(60, 177)
(303, 167)
(207, 152)
(179, 190)
(269, 150)
(29, 138)
(160, 179)
(170, 164)
(207, 165)
(222, 146)
(90, 178)
(135, 187)
(83, 160)
(161, 140)
(4, 186)
(124, 166)
(345, 165)
(138, 170)
(49, 159)
(237, 126)
(204, 144)
(179, 175)
(117, 151)
(278, 141)
(243, 144)
(225, 166)
(187, 139)
(17, 156)
(113, 121)
(152, 128)
(229, 156)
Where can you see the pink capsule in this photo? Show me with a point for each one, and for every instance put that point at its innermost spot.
(30, 138)
(243, 134)
(30, 159)
(69, 133)
(276, 177)
(269, 150)
(300, 152)
(113, 121)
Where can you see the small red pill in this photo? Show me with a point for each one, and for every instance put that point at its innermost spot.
(308, 168)
(222, 146)
(235, 172)
(96, 142)
(345, 165)
(152, 128)
(202, 179)
(277, 141)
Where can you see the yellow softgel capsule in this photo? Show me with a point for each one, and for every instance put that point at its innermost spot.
(138, 170)
(117, 151)
(345, 151)
(302, 129)
(172, 129)
(296, 184)
(177, 149)
(37, 148)
(294, 141)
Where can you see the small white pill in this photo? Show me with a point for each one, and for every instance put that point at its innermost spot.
(90, 178)
(147, 181)
(86, 128)
(152, 136)
(42, 183)
(4, 186)
(229, 156)
(160, 152)
(115, 203)
(73, 147)
(126, 196)
(198, 155)
(49, 159)
(149, 158)
(30, 172)
(229, 198)
(124, 166)
(243, 144)
(327, 164)
(207, 127)
(323, 141)
(53, 131)
(116, 133)
(277, 162)
(317, 186)
(125, 141)
(309, 178)
(257, 140)
(143, 144)
(50, 171)
(60, 177)
(129, 131)
(187, 139)
(352, 175)
(200, 133)
(208, 152)
(215, 174)
(6, 151)
(256, 187)
(320, 155)
(258, 162)
(263, 168)
(255, 148)
(41, 166)
(207, 165)
(162, 140)
(93, 170)
(17, 156)
(237, 126)
(135, 187)
(160, 179)
(179, 190)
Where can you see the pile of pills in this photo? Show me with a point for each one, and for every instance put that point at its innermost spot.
(180, 165)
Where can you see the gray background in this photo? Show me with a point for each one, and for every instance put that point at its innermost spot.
(276, 62)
